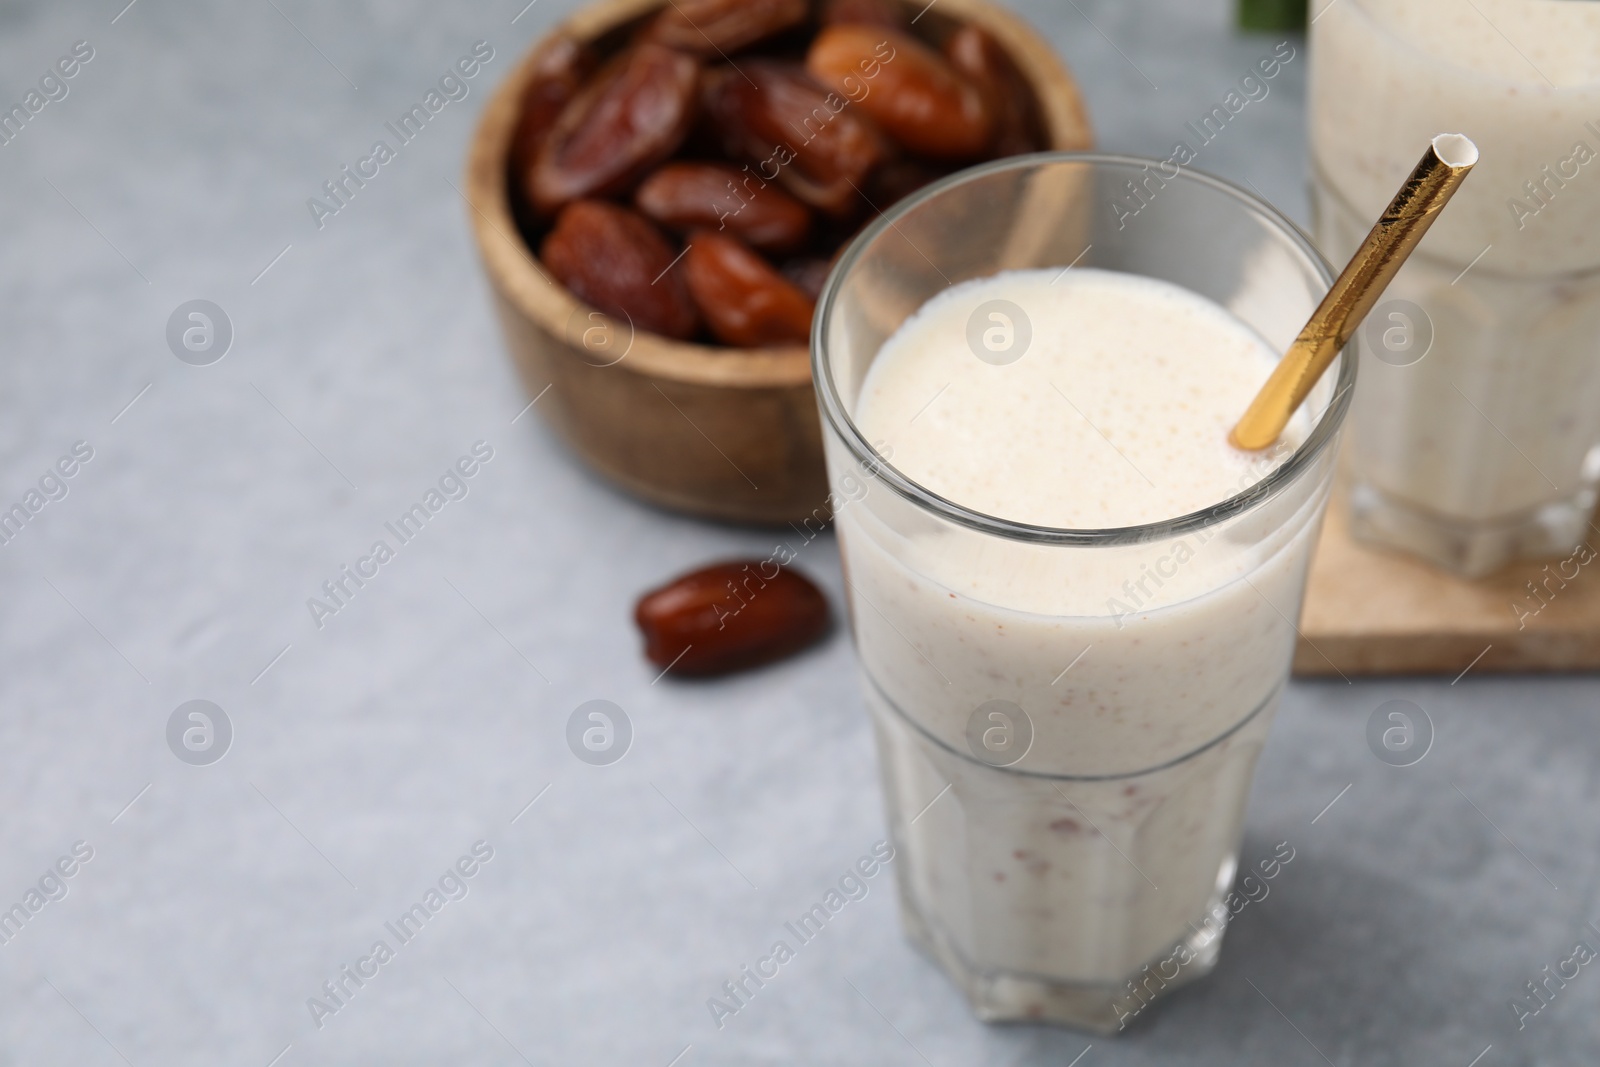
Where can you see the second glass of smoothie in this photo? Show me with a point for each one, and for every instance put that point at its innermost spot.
(1074, 602)
(1477, 425)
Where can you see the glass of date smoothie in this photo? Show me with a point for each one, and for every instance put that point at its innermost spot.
(1074, 602)
(1477, 426)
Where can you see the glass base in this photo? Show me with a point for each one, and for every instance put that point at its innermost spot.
(1059, 899)
(1469, 549)
(1007, 997)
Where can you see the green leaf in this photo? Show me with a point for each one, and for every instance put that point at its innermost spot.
(1272, 14)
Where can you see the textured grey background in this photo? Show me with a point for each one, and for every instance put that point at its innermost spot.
(425, 717)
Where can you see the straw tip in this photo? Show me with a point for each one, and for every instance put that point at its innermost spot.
(1455, 149)
(1250, 438)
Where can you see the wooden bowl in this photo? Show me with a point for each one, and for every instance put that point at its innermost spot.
(724, 433)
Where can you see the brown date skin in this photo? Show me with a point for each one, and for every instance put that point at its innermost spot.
(915, 95)
(887, 13)
(730, 616)
(795, 131)
(693, 196)
(745, 302)
(611, 258)
(978, 56)
(559, 68)
(709, 28)
(631, 116)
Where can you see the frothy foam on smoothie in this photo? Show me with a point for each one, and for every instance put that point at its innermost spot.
(1116, 414)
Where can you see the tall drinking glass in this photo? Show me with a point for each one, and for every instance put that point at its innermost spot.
(1477, 425)
(1068, 720)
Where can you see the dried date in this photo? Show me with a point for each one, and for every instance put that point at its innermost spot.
(730, 616)
(794, 131)
(708, 28)
(744, 300)
(978, 56)
(559, 68)
(910, 90)
(890, 13)
(692, 196)
(617, 261)
(633, 115)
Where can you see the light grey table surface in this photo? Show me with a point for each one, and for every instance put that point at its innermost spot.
(430, 711)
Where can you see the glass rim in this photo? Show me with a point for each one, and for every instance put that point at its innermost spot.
(1317, 442)
(1417, 48)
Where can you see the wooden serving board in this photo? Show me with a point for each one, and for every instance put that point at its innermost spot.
(1372, 611)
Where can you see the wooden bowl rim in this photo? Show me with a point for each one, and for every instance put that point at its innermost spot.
(522, 280)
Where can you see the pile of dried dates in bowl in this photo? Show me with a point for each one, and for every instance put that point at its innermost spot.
(696, 172)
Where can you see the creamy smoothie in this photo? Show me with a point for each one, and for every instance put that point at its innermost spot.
(1140, 677)
(1486, 448)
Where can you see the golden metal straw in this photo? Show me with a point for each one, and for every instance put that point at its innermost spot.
(1393, 238)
